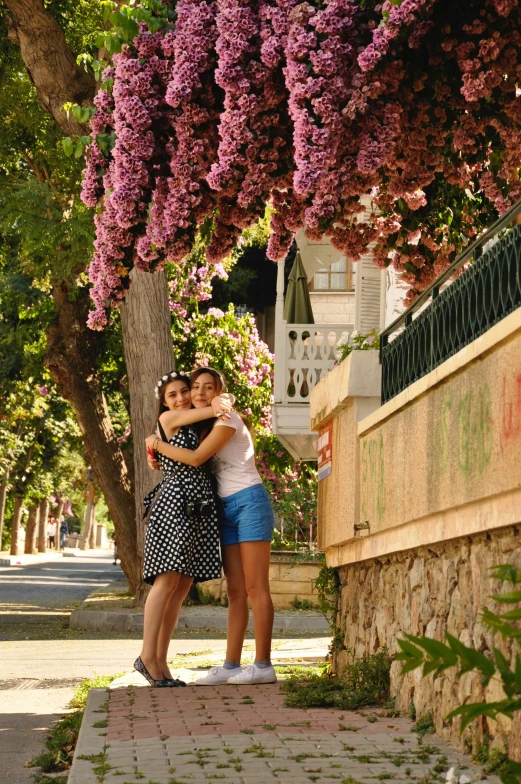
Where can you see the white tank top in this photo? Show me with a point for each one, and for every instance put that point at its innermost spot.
(234, 465)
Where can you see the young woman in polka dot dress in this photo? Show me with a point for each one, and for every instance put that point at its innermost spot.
(180, 545)
(245, 529)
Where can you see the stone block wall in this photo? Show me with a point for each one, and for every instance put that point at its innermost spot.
(333, 307)
(289, 580)
(428, 591)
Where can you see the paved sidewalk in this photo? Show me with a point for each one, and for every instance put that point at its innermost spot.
(244, 734)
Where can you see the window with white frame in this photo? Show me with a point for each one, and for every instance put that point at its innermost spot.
(337, 277)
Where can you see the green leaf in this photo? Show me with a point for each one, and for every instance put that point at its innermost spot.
(473, 711)
(507, 676)
(78, 149)
(68, 146)
(507, 573)
(471, 659)
(510, 597)
(435, 649)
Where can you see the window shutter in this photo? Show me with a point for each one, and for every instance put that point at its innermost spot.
(369, 295)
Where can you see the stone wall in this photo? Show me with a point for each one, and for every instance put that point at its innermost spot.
(289, 580)
(428, 591)
(333, 307)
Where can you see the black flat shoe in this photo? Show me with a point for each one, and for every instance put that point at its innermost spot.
(174, 682)
(140, 667)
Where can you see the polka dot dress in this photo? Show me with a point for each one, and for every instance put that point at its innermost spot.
(175, 542)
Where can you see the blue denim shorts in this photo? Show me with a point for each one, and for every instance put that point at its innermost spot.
(246, 516)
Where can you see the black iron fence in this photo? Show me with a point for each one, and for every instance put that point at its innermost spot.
(487, 291)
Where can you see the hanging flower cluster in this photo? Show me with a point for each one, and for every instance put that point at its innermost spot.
(310, 106)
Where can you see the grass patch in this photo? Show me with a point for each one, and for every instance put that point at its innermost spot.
(362, 683)
(303, 604)
(59, 746)
(424, 725)
(494, 761)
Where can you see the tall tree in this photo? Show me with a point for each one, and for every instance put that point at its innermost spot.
(49, 38)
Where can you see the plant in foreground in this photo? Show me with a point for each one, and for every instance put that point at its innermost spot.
(363, 682)
(435, 657)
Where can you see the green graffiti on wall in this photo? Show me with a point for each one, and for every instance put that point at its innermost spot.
(441, 443)
(475, 431)
(373, 476)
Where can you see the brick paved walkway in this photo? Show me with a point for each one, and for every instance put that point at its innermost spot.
(244, 734)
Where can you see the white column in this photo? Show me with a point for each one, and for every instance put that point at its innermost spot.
(395, 291)
(280, 337)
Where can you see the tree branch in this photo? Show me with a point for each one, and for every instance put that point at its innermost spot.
(50, 63)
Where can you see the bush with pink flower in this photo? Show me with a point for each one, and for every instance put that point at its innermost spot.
(231, 344)
(213, 108)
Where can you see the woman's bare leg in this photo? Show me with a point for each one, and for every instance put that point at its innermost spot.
(155, 606)
(255, 557)
(237, 602)
(170, 617)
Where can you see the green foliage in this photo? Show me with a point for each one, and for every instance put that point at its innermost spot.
(424, 725)
(79, 698)
(302, 604)
(363, 682)
(229, 344)
(59, 746)
(435, 657)
(327, 586)
(358, 342)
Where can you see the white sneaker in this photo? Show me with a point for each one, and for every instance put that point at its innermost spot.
(253, 674)
(216, 677)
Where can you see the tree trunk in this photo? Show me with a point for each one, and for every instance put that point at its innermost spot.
(32, 529)
(42, 526)
(50, 63)
(92, 534)
(59, 515)
(89, 512)
(3, 497)
(87, 525)
(71, 356)
(147, 341)
(15, 524)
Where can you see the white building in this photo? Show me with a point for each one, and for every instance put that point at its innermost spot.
(346, 297)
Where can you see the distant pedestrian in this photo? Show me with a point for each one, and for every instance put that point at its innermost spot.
(64, 532)
(51, 532)
(115, 543)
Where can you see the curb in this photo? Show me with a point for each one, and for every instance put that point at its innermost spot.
(27, 560)
(128, 623)
(91, 740)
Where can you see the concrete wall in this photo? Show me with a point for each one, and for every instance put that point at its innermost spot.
(457, 443)
(348, 394)
(435, 474)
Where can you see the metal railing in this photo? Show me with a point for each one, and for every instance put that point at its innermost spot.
(487, 291)
(310, 353)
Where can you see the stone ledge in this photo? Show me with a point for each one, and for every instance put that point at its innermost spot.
(90, 739)
(200, 618)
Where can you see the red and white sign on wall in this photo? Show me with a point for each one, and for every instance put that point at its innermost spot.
(325, 450)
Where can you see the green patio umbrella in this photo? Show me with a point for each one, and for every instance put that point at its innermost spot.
(297, 304)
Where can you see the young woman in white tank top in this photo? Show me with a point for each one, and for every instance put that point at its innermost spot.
(245, 528)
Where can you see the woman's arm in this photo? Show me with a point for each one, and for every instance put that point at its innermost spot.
(211, 444)
(174, 419)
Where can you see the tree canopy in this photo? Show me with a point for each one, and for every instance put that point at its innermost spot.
(210, 109)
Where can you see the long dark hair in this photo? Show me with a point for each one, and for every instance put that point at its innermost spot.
(161, 386)
(220, 387)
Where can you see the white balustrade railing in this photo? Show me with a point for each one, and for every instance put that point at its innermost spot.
(311, 351)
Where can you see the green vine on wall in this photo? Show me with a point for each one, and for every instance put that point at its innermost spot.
(328, 588)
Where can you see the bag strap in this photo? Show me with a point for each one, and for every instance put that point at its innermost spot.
(162, 432)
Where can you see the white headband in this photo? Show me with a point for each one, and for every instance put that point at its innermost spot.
(165, 379)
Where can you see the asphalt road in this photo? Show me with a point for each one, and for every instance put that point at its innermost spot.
(36, 673)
